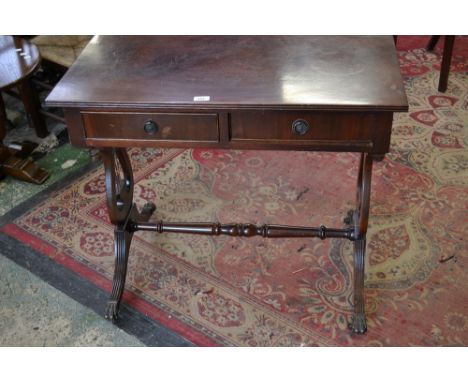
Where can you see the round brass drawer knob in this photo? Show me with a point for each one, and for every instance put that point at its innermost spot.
(151, 127)
(300, 127)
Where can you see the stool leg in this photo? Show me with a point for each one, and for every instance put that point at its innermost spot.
(32, 105)
(446, 60)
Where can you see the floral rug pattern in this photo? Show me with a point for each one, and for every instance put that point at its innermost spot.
(292, 292)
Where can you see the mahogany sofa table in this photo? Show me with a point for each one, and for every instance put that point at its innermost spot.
(232, 92)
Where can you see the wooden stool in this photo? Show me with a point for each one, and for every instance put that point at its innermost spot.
(19, 59)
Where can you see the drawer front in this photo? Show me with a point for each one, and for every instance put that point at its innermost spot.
(333, 129)
(190, 127)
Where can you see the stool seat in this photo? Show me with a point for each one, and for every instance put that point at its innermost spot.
(61, 50)
(18, 59)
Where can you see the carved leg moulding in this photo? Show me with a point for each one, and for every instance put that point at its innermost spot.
(127, 219)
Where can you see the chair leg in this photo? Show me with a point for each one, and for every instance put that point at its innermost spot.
(32, 105)
(432, 43)
(446, 60)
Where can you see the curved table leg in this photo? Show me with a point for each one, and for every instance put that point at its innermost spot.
(122, 247)
(358, 324)
(122, 213)
(361, 218)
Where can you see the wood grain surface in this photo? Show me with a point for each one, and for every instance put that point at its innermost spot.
(314, 72)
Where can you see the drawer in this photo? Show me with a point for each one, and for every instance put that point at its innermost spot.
(190, 127)
(367, 131)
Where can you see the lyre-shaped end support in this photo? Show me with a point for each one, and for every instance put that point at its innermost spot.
(122, 213)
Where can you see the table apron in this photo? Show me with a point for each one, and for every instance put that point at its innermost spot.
(238, 129)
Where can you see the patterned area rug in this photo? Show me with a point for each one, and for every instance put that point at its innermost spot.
(292, 292)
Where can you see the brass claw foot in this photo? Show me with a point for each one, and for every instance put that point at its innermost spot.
(358, 324)
(112, 311)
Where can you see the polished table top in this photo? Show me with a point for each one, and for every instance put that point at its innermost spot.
(260, 72)
(18, 59)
